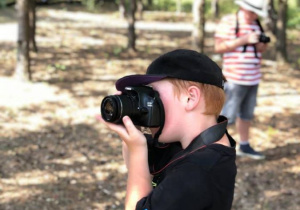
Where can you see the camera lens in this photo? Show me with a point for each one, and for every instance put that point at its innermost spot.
(110, 109)
(115, 107)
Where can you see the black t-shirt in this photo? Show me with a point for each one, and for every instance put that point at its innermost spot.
(203, 179)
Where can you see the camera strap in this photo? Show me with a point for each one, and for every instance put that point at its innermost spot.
(237, 27)
(207, 137)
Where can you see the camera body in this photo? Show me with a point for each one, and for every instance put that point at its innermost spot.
(141, 103)
(263, 38)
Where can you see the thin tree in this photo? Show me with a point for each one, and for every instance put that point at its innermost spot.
(281, 53)
(198, 33)
(131, 25)
(272, 17)
(22, 71)
(122, 9)
(178, 6)
(215, 8)
(149, 3)
(32, 24)
(140, 9)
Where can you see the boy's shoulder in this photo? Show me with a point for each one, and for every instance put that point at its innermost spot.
(229, 18)
(208, 157)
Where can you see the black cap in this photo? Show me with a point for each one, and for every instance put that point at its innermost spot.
(181, 64)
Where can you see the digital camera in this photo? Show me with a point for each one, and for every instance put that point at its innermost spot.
(141, 103)
(264, 39)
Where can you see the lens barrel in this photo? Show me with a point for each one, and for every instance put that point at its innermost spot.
(110, 109)
(115, 107)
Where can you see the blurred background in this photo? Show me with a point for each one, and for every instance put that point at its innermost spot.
(59, 58)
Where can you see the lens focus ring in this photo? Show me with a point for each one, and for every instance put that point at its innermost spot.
(109, 109)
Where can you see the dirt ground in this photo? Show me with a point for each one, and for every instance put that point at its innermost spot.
(55, 155)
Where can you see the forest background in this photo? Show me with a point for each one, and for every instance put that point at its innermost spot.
(55, 155)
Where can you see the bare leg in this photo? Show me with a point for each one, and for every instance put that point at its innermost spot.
(243, 128)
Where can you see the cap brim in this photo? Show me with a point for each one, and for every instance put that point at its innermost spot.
(136, 80)
(262, 13)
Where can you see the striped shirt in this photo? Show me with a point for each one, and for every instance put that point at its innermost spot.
(239, 67)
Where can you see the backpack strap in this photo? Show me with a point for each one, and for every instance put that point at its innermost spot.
(259, 25)
(237, 25)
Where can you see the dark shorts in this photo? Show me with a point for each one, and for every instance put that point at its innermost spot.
(240, 101)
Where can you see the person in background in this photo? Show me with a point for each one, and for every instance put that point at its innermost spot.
(240, 37)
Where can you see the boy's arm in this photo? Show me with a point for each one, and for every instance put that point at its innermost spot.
(139, 178)
(224, 45)
(135, 154)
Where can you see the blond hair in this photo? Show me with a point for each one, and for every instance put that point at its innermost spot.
(214, 96)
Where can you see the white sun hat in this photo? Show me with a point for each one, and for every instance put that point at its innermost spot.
(257, 6)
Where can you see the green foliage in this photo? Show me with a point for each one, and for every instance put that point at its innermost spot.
(117, 50)
(272, 131)
(2, 3)
(226, 6)
(166, 5)
(293, 18)
(60, 67)
(90, 4)
(186, 6)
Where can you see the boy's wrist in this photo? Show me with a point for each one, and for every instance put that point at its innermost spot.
(136, 150)
(242, 41)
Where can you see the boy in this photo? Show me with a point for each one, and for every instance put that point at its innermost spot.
(195, 167)
(237, 37)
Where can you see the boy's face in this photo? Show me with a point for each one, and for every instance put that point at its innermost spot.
(174, 111)
(249, 15)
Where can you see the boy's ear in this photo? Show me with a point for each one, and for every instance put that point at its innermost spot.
(193, 97)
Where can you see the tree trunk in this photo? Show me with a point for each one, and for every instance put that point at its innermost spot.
(215, 8)
(178, 6)
(140, 8)
(131, 27)
(122, 9)
(272, 17)
(22, 71)
(281, 54)
(32, 24)
(90, 4)
(198, 33)
(149, 3)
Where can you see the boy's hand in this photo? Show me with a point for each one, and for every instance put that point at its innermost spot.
(251, 38)
(133, 137)
(261, 47)
(135, 154)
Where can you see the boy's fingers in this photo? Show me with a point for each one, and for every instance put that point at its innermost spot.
(119, 129)
(130, 127)
(123, 132)
(132, 130)
(99, 117)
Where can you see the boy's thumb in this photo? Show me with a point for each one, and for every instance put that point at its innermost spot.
(128, 124)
